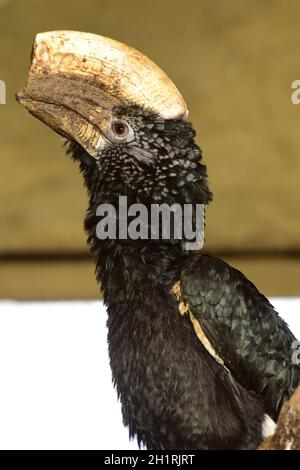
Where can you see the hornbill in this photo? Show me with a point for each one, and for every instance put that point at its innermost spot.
(199, 357)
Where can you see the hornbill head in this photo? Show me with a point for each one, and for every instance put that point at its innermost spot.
(123, 117)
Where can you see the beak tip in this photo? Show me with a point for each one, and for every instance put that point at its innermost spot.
(21, 97)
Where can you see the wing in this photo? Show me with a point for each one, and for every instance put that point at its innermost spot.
(244, 329)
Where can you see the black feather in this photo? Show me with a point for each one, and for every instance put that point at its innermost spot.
(174, 395)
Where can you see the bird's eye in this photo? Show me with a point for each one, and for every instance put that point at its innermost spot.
(120, 128)
(121, 131)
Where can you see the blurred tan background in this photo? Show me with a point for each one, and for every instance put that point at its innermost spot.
(234, 62)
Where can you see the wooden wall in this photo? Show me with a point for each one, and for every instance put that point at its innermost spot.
(234, 62)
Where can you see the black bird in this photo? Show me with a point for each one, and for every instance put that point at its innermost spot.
(200, 359)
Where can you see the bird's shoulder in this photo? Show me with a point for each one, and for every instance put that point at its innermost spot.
(243, 327)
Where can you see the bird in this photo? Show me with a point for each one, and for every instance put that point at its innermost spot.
(199, 357)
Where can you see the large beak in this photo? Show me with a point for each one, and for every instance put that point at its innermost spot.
(77, 79)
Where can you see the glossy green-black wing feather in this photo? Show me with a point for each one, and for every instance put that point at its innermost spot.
(243, 327)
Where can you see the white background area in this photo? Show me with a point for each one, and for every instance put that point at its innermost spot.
(55, 380)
